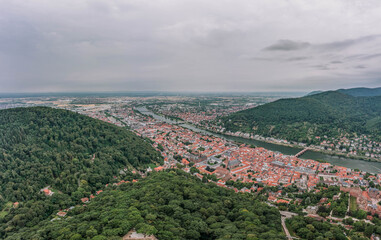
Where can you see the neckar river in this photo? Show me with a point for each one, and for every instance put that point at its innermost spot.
(372, 167)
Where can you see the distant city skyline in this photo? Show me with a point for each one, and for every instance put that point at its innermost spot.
(189, 46)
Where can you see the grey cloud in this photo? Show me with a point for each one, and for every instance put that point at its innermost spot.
(363, 56)
(339, 45)
(186, 45)
(335, 56)
(293, 59)
(371, 56)
(321, 67)
(287, 45)
(281, 59)
(360, 67)
(264, 59)
(291, 45)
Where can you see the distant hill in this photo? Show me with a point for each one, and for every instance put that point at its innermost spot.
(170, 205)
(356, 92)
(73, 154)
(362, 92)
(313, 93)
(300, 119)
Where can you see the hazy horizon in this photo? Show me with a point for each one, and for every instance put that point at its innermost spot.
(149, 93)
(189, 46)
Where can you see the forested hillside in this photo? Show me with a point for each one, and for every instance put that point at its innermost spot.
(300, 119)
(362, 92)
(170, 205)
(73, 154)
(356, 92)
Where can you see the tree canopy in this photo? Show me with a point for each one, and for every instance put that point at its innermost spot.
(170, 205)
(73, 154)
(329, 113)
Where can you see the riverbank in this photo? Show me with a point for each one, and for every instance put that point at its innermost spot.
(297, 146)
(332, 153)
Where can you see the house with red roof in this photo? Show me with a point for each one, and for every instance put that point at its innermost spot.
(272, 198)
(282, 201)
(160, 168)
(62, 214)
(48, 192)
(185, 162)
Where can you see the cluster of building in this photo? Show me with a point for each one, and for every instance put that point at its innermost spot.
(367, 199)
(350, 146)
(356, 146)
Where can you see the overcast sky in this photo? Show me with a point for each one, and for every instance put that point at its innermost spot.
(206, 45)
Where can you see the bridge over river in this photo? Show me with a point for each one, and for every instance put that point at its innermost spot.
(302, 152)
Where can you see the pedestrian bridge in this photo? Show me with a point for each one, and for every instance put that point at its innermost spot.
(302, 152)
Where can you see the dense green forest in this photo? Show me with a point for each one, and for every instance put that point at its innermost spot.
(330, 113)
(356, 92)
(308, 228)
(362, 92)
(170, 205)
(73, 154)
(311, 229)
